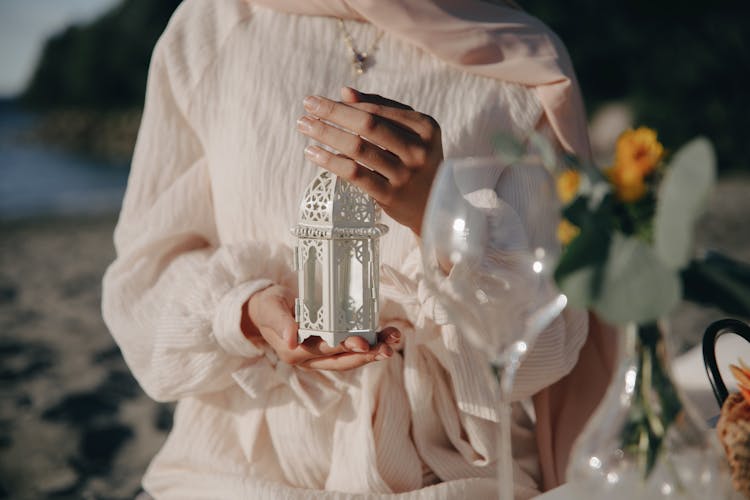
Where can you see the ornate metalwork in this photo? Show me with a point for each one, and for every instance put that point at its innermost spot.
(340, 222)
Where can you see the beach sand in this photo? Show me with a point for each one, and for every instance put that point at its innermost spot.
(73, 421)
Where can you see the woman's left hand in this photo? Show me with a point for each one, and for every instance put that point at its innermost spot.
(384, 147)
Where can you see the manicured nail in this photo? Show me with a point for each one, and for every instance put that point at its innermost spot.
(314, 153)
(385, 353)
(311, 103)
(304, 124)
(394, 337)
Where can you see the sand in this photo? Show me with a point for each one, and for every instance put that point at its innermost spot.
(73, 421)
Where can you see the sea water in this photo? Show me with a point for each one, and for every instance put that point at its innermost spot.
(38, 180)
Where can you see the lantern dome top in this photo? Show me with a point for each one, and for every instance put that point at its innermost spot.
(335, 208)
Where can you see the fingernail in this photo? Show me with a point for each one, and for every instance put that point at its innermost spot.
(311, 103)
(304, 124)
(314, 153)
(394, 336)
(384, 353)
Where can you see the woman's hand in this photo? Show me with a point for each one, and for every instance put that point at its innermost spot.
(268, 315)
(384, 147)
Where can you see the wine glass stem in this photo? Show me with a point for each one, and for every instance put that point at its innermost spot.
(505, 455)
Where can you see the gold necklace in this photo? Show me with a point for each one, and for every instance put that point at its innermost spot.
(359, 58)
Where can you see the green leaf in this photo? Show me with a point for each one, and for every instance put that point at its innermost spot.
(544, 148)
(682, 195)
(719, 281)
(508, 148)
(636, 285)
(581, 286)
(577, 212)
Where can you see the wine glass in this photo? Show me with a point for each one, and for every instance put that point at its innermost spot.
(489, 247)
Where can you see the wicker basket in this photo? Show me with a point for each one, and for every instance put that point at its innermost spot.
(733, 428)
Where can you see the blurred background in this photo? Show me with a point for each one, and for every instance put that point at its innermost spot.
(73, 422)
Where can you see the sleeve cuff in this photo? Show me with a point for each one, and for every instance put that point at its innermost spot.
(226, 323)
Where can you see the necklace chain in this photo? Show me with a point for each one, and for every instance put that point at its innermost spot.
(359, 58)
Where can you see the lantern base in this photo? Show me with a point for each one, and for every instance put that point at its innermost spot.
(335, 338)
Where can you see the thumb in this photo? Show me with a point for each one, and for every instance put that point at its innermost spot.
(282, 322)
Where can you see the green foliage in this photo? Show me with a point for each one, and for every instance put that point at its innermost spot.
(679, 64)
(580, 270)
(636, 285)
(656, 404)
(719, 281)
(625, 271)
(103, 64)
(508, 148)
(682, 196)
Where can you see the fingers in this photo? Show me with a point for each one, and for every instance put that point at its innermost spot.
(386, 163)
(370, 182)
(272, 313)
(356, 344)
(423, 125)
(349, 361)
(378, 130)
(318, 347)
(353, 95)
(390, 336)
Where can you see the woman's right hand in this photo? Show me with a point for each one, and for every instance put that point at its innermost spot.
(268, 314)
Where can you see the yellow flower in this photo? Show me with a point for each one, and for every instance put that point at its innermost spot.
(742, 374)
(567, 231)
(628, 182)
(638, 150)
(567, 185)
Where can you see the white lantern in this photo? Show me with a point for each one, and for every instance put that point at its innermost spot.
(337, 261)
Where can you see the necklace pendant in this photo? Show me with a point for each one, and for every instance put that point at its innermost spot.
(358, 62)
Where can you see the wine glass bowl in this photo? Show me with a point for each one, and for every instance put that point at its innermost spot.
(489, 248)
(489, 270)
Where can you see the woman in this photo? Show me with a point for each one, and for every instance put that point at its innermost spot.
(199, 298)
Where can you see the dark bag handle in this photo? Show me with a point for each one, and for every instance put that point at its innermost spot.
(712, 334)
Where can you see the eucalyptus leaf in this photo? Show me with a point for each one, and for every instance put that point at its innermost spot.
(682, 196)
(636, 285)
(544, 148)
(580, 286)
(508, 148)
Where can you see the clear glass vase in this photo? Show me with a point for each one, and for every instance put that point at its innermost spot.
(643, 441)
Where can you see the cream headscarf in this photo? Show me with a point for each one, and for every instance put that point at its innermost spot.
(503, 42)
(487, 39)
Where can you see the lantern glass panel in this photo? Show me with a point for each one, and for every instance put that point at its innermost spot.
(313, 283)
(349, 280)
(355, 283)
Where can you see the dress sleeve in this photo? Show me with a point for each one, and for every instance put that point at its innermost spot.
(173, 297)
